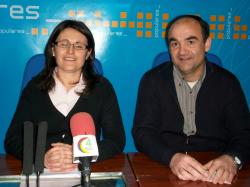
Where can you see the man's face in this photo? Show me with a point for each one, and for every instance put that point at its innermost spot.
(187, 48)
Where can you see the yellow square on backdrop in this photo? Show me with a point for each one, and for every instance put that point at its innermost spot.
(163, 34)
(139, 15)
(221, 18)
(244, 27)
(97, 23)
(98, 14)
(131, 24)
(123, 24)
(213, 18)
(140, 24)
(149, 25)
(148, 34)
(236, 27)
(106, 23)
(71, 13)
(244, 36)
(164, 25)
(236, 18)
(220, 36)
(149, 16)
(165, 16)
(114, 24)
(139, 34)
(221, 27)
(34, 31)
(212, 26)
(80, 13)
(236, 36)
(212, 35)
(45, 31)
(123, 15)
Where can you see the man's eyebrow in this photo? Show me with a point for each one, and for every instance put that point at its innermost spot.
(171, 39)
(192, 38)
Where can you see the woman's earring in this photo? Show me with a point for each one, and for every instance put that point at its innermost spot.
(53, 52)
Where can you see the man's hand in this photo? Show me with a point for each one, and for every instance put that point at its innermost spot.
(221, 170)
(59, 158)
(186, 167)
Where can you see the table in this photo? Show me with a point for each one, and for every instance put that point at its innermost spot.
(11, 166)
(116, 164)
(150, 173)
(140, 170)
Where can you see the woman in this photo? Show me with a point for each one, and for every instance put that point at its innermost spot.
(68, 85)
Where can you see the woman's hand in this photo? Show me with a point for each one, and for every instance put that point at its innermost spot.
(59, 158)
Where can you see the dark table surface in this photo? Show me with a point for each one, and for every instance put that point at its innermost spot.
(150, 173)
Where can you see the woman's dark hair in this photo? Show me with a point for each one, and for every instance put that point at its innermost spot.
(203, 24)
(45, 79)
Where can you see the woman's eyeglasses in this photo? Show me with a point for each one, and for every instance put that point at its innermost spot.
(66, 45)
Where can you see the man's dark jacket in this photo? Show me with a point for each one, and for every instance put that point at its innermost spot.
(222, 116)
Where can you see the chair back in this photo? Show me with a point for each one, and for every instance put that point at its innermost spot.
(36, 63)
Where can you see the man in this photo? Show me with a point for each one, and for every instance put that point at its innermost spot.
(190, 105)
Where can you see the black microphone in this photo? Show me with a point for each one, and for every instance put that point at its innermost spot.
(40, 149)
(28, 152)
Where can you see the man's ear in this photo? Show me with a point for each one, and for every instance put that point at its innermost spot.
(208, 44)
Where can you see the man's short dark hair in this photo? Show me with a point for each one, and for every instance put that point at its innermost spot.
(204, 25)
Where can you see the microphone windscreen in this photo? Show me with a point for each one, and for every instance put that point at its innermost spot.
(28, 131)
(82, 123)
(40, 146)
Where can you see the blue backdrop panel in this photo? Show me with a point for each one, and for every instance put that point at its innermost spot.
(128, 34)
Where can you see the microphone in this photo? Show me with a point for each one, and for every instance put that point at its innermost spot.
(28, 150)
(84, 144)
(40, 149)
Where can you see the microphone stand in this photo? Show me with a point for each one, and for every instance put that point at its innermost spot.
(38, 178)
(27, 181)
(84, 167)
(40, 150)
(85, 171)
(28, 153)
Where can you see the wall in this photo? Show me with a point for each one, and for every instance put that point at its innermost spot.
(128, 34)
